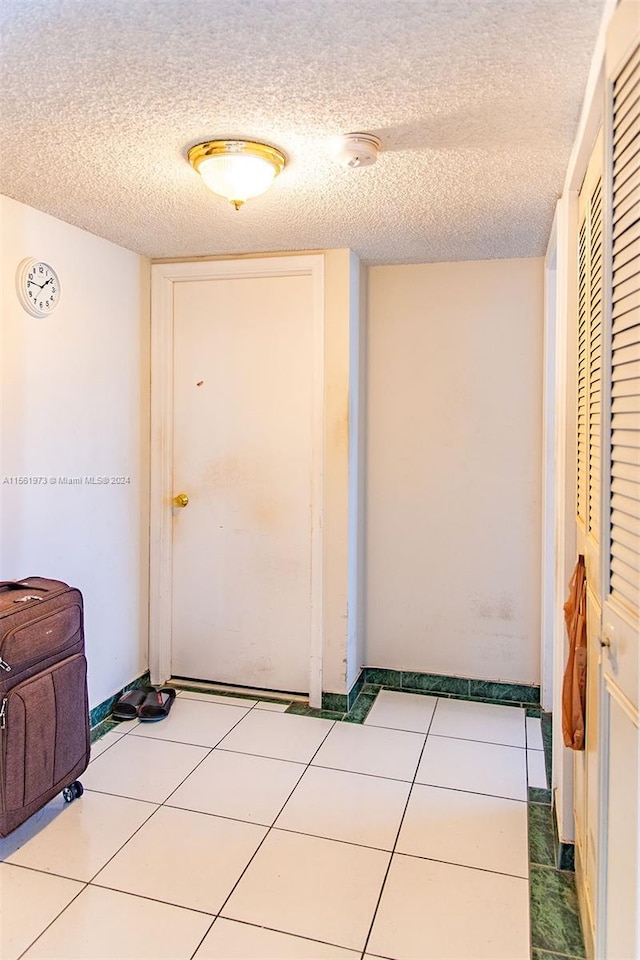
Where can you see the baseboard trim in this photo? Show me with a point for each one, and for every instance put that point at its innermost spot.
(564, 851)
(442, 685)
(343, 702)
(586, 919)
(371, 680)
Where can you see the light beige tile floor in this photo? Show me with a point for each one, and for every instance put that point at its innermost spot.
(262, 834)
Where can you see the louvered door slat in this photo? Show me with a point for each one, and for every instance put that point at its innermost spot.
(628, 156)
(624, 536)
(625, 404)
(626, 305)
(623, 322)
(626, 182)
(624, 179)
(631, 352)
(626, 570)
(581, 497)
(625, 441)
(627, 114)
(629, 201)
(626, 471)
(626, 135)
(627, 268)
(623, 553)
(623, 590)
(595, 254)
(625, 338)
(624, 246)
(624, 221)
(626, 488)
(626, 421)
(624, 511)
(625, 82)
(626, 287)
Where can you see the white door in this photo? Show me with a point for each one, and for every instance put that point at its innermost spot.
(242, 451)
(588, 514)
(618, 928)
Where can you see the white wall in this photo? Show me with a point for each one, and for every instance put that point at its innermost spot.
(74, 403)
(454, 403)
(357, 317)
(342, 532)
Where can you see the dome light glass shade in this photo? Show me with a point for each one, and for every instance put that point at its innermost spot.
(236, 169)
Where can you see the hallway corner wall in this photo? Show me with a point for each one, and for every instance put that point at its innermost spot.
(454, 413)
(74, 406)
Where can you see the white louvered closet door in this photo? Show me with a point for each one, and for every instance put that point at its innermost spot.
(625, 340)
(590, 263)
(618, 922)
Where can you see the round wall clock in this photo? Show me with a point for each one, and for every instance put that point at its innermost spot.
(38, 287)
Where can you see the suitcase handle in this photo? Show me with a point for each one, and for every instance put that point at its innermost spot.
(19, 585)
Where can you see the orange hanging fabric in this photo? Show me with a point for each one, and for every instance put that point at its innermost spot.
(575, 675)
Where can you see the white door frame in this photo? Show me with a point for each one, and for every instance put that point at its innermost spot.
(163, 278)
(549, 471)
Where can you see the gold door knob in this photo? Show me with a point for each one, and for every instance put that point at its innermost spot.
(181, 500)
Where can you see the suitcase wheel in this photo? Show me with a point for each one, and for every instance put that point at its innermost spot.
(73, 791)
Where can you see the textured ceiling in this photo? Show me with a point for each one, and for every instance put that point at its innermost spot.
(476, 103)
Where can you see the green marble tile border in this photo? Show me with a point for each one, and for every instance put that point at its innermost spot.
(510, 692)
(101, 728)
(555, 915)
(547, 743)
(556, 931)
(545, 955)
(304, 710)
(373, 679)
(542, 847)
(343, 702)
(361, 707)
(356, 704)
(385, 678)
(336, 702)
(565, 858)
(358, 713)
(356, 690)
(103, 710)
(538, 795)
(486, 691)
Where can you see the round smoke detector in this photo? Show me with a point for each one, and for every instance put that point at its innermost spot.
(358, 150)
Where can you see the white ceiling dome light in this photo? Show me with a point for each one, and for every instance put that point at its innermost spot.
(237, 169)
(358, 150)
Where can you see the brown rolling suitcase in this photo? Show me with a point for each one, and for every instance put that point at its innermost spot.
(44, 704)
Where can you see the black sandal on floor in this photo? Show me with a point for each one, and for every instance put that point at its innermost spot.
(128, 705)
(157, 704)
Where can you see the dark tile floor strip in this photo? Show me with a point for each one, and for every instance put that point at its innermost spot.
(433, 683)
(545, 955)
(556, 933)
(555, 918)
(541, 839)
(101, 728)
(304, 710)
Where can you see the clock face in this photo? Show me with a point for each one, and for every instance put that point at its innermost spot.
(38, 287)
